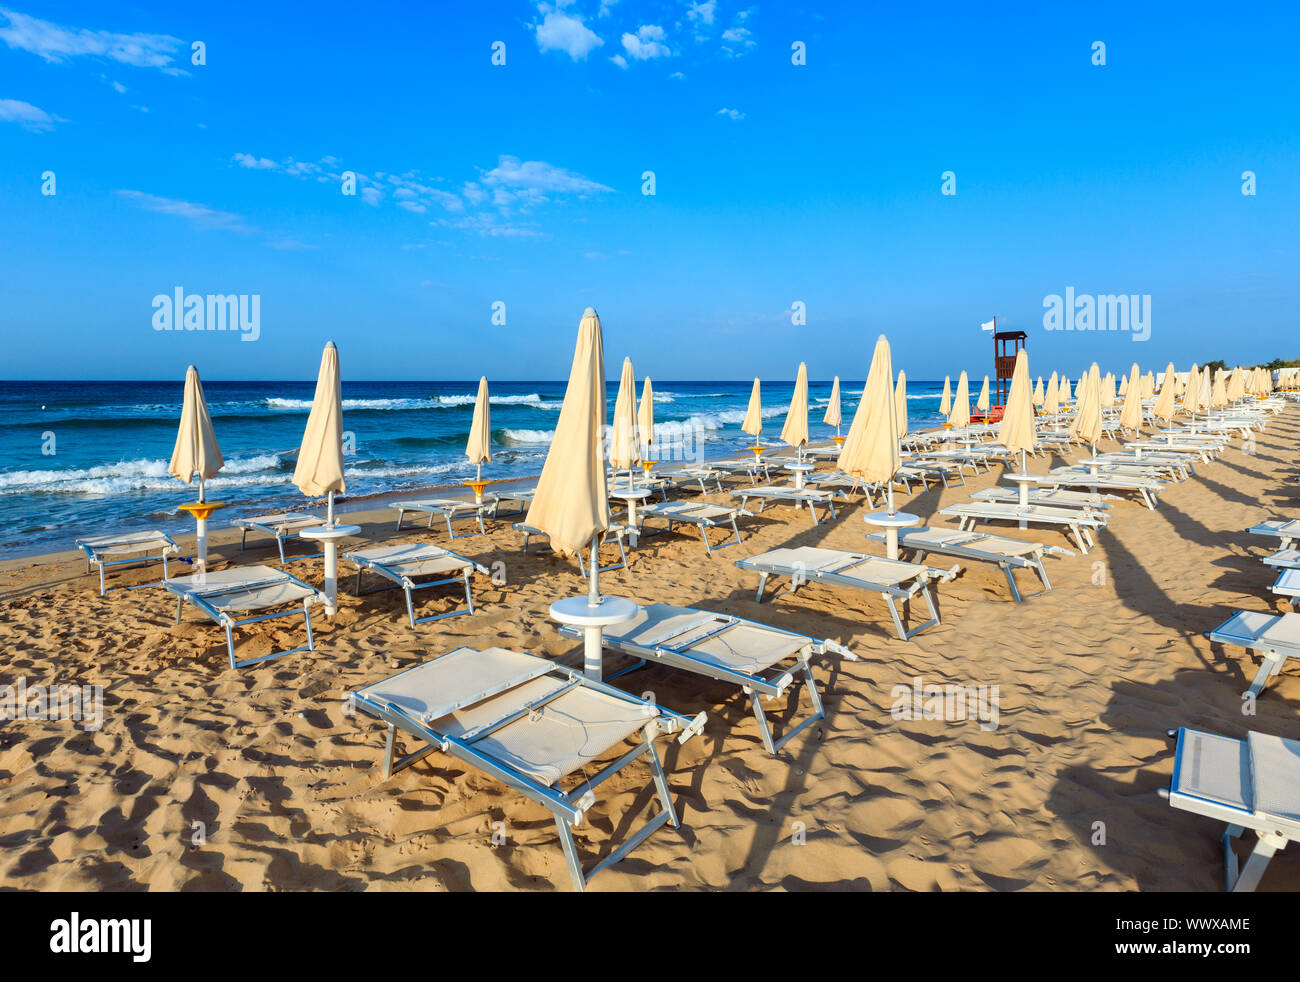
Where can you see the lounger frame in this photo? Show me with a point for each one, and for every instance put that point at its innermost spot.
(399, 580)
(93, 559)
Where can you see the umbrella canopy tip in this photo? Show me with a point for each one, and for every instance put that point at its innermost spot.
(589, 312)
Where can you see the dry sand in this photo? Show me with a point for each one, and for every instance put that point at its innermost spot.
(288, 789)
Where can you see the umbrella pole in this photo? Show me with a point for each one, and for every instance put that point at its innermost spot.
(201, 532)
(593, 587)
(329, 520)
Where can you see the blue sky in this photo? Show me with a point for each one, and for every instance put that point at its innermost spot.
(521, 183)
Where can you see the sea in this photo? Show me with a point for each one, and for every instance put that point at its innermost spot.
(89, 458)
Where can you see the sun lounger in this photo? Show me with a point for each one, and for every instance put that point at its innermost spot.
(1153, 469)
(681, 476)
(1007, 554)
(1079, 522)
(1276, 637)
(1286, 530)
(285, 525)
(809, 497)
(226, 594)
(521, 497)
(1069, 477)
(763, 661)
(893, 579)
(448, 508)
(755, 470)
(138, 547)
(1287, 585)
(702, 514)
(530, 724)
(402, 564)
(839, 481)
(1249, 784)
(1049, 496)
(618, 533)
(1284, 559)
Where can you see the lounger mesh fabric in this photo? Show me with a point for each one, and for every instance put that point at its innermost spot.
(744, 647)
(120, 545)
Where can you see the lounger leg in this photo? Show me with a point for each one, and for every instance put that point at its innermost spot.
(410, 609)
(469, 596)
(164, 559)
(400, 513)
(243, 539)
(1011, 582)
(230, 644)
(571, 854)
(661, 783)
(178, 610)
(762, 582)
(102, 591)
(1270, 666)
(1265, 846)
(306, 613)
(756, 702)
(388, 753)
(279, 541)
(708, 549)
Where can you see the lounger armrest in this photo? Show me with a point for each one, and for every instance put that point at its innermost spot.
(835, 647)
(943, 575)
(1057, 551)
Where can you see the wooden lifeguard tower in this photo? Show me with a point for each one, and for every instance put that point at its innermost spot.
(1006, 345)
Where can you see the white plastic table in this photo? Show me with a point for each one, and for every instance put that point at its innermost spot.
(328, 536)
(891, 524)
(580, 612)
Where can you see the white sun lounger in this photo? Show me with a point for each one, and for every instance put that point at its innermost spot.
(521, 497)
(1007, 554)
(839, 481)
(1148, 467)
(1284, 559)
(1276, 637)
(1049, 496)
(138, 547)
(682, 476)
(529, 723)
(1249, 784)
(1287, 585)
(1068, 477)
(1287, 531)
(402, 564)
(1080, 523)
(764, 661)
(448, 508)
(225, 594)
(893, 579)
(810, 497)
(756, 470)
(284, 525)
(702, 514)
(618, 533)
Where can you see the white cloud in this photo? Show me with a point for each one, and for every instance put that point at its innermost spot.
(254, 163)
(413, 206)
(371, 195)
(55, 43)
(26, 115)
(734, 114)
(201, 216)
(702, 13)
(619, 60)
(605, 6)
(118, 87)
(680, 76)
(646, 43)
(561, 32)
(527, 177)
(737, 35)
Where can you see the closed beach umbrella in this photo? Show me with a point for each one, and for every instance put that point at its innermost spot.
(1039, 398)
(833, 416)
(1108, 396)
(1192, 390)
(1206, 396)
(982, 403)
(1064, 393)
(1164, 407)
(870, 451)
(196, 450)
(795, 430)
(945, 403)
(900, 404)
(624, 443)
(1219, 392)
(1052, 398)
(753, 424)
(1086, 425)
(1123, 385)
(1016, 431)
(1130, 416)
(960, 415)
(479, 447)
(1148, 385)
(645, 415)
(571, 503)
(320, 459)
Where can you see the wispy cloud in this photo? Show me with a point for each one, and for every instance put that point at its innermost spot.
(733, 114)
(27, 116)
(562, 31)
(200, 216)
(254, 163)
(56, 43)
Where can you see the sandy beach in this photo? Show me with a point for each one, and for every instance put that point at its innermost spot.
(286, 791)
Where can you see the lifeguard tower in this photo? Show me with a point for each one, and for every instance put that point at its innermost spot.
(1006, 345)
